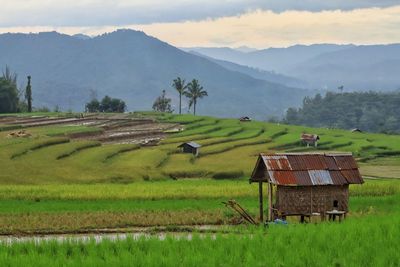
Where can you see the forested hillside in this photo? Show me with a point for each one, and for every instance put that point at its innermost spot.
(134, 67)
(369, 111)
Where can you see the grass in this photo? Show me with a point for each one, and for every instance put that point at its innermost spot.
(228, 146)
(298, 245)
(78, 207)
(54, 185)
(53, 179)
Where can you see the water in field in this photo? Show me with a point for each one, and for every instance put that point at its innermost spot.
(137, 233)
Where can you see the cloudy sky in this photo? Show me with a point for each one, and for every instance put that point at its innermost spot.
(254, 23)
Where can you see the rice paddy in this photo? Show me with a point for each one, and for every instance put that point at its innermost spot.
(54, 183)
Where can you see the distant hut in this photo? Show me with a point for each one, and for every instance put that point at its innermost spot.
(244, 119)
(306, 184)
(190, 147)
(310, 139)
(356, 130)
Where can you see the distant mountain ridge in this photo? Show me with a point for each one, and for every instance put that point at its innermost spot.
(259, 73)
(324, 66)
(135, 67)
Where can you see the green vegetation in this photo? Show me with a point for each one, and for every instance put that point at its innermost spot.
(180, 86)
(194, 93)
(351, 243)
(9, 100)
(28, 95)
(107, 104)
(54, 184)
(229, 150)
(368, 111)
(162, 103)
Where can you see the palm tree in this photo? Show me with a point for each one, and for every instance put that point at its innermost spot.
(181, 87)
(194, 92)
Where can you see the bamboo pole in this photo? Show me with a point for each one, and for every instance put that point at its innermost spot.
(260, 200)
(269, 202)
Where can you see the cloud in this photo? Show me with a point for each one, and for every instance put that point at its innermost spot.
(266, 28)
(66, 13)
(263, 29)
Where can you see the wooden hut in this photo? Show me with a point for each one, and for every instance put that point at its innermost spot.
(356, 130)
(310, 139)
(244, 119)
(305, 184)
(190, 147)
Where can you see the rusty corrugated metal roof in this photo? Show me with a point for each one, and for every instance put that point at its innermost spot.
(308, 169)
(320, 177)
(308, 162)
(331, 163)
(276, 162)
(282, 177)
(338, 178)
(303, 178)
(352, 176)
(345, 162)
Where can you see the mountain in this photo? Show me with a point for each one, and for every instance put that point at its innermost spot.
(372, 67)
(245, 49)
(272, 59)
(81, 36)
(135, 67)
(221, 53)
(259, 73)
(324, 66)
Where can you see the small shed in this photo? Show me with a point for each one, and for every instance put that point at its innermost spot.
(309, 139)
(190, 147)
(305, 184)
(356, 130)
(245, 118)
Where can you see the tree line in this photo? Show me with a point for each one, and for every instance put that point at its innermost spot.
(368, 111)
(107, 104)
(14, 100)
(193, 91)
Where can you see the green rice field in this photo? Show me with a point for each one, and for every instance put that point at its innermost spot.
(53, 184)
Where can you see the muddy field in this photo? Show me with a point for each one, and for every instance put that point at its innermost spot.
(115, 129)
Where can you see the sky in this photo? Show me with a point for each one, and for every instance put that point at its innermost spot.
(231, 23)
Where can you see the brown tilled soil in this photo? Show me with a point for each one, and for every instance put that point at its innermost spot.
(116, 129)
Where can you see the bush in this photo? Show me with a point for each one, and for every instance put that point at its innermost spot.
(228, 175)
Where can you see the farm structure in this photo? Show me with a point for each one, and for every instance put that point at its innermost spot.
(244, 119)
(356, 130)
(190, 147)
(305, 184)
(310, 139)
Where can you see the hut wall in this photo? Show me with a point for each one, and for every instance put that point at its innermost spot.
(291, 200)
(189, 149)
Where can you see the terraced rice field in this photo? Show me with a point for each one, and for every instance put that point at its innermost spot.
(107, 148)
(102, 174)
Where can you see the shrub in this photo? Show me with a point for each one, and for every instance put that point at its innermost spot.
(228, 175)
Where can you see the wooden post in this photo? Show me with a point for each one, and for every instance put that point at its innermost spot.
(269, 202)
(260, 195)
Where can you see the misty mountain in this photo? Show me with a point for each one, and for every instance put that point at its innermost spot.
(270, 59)
(325, 66)
(258, 73)
(135, 67)
(372, 67)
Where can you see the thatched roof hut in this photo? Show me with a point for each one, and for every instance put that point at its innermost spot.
(305, 183)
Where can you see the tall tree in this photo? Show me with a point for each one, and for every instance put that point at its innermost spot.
(181, 87)
(8, 92)
(28, 94)
(162, 103)
(10, 77)
(195, 91)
